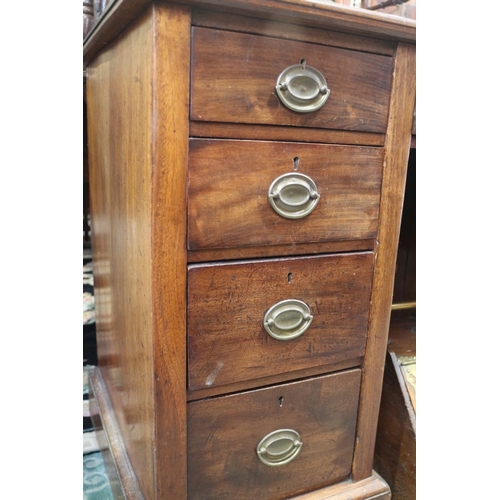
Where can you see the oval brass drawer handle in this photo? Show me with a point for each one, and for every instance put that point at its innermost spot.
(302, 88)
(287, 319)
(279, 447)
(293, 196)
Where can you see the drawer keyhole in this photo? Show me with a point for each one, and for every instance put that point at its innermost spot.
(281, 401)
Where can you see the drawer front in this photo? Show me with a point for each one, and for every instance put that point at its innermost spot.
(229, 183)
(227, 304)
(234, 76)
(223, 435)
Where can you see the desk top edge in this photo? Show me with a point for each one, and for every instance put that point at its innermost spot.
(320, 13)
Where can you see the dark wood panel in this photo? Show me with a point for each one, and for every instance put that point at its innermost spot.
(267, 27)
(405, 286)
(233, 209)
(227, 342)
(283, 133)
(396, 162)
(223, 434)
(234, 77)
(395, 450)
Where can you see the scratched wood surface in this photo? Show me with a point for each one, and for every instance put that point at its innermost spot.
(223, 434)
(233, 210)
(234, 77)
(227, 342)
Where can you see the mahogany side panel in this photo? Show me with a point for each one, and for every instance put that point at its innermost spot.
(168, 214)
(120, 114)
(224, 433)
(233, 209)
(227, 342)
(393, 186)
(234, 77)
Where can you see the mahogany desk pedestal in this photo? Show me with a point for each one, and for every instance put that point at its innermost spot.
(247, 170)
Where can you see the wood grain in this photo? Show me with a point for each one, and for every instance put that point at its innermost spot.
(279, 250)
(119, 111)
(170, 160)
(300, 32)
(246, 385)
(283, 133)
(321, 14)
(233, 210)
(372, 488)
(396, 161)
(223, 434)
(405, 286)
(122, 478)
(227, 342)
(395, 450)
(234, 77)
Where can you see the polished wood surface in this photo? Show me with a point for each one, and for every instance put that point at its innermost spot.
(167, 192)
(227, 342)
(223, 434)
(396, 161)
(283, 133)
(234, 77)
(371, 488)
(233, 209)
(120, 172)
(300, 32)
(172, 24)
(121, 475)
(218, 254)
(322, 14)
(132, 166)
(293, 376)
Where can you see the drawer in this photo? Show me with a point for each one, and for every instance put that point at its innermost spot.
(227, 306)
(229, 183)
(234, 75)
(224, 433)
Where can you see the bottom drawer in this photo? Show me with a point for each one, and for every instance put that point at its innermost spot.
(318, 420)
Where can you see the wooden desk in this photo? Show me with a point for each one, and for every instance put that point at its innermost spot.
(244, 252)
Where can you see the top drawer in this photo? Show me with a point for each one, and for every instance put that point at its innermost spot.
(234, 75)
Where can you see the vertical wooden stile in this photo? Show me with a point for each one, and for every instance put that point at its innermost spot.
(397, 148)
(171, 33)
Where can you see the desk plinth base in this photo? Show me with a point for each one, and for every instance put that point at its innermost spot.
(124, 482)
